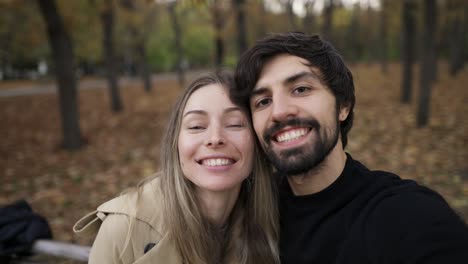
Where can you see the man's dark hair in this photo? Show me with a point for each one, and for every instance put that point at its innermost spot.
(319, 53)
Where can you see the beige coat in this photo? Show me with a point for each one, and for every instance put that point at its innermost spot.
(115, 243)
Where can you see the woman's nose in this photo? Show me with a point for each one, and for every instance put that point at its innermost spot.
(215, 138)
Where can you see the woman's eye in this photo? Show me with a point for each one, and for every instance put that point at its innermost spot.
(235, 125)
(195, 127)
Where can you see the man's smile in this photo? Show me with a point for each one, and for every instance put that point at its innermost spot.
(290, 134)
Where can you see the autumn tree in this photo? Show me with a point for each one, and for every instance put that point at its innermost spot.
(288, 6)
(62, 52)
(407, 49)
(329, 7)
(219, 13)
(240, 6)
(262, 27)
(22, 40)
(177, 41)
(458, 23)
(8, 20)
(383, 33)
(108, 48)
(308, 22)
(352, 38)
(427, 61)
(140, 15)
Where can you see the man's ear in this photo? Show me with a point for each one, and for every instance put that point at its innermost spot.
(344, 111)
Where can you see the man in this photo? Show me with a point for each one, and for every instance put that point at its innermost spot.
(332, 208)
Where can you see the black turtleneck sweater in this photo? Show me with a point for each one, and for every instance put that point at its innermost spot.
(370, 217)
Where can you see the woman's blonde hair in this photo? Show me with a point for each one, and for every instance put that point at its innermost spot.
(251, 233)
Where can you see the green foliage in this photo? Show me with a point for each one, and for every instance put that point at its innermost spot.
(198, 46)
(160, 46)
(85, 29)
(197, 41)
(23, 38)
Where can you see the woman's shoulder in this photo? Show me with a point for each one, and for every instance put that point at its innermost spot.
(122, 239)
(142, 204)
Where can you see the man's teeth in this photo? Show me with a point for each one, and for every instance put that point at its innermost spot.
(291, 135)
(217, 162)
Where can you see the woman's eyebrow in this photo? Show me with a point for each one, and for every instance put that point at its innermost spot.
(232, 109)
(202, 112)
(198, 112)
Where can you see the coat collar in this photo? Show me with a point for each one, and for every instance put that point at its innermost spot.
(145, 207)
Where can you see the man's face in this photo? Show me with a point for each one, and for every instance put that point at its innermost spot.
(294, 114)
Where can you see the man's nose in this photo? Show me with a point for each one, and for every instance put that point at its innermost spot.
(283, 109)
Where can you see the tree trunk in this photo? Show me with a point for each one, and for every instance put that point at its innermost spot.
(407, 60)
(383, 37)
(218, 21)
(219, 50)
(327, 20)
(139, 47)
(459, 30)
(261, 30)
(308, 22)
(427, 62)
(241, 27)
(107, 20)
(291, 16)
(352, 35)
(62, 52)
(143, 65)
(6, 41)
(434, 65)
(177, 42)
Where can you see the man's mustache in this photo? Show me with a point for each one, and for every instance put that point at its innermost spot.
(297, 122)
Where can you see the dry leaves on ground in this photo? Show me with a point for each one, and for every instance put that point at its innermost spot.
(123, 148)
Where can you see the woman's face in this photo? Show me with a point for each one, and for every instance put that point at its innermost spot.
(215, 141)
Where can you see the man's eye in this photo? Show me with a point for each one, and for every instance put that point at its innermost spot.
(300, 90)
(263, 102)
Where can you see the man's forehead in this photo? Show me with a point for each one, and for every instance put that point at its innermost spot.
(281, 68)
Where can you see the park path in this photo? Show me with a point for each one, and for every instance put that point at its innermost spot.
(100, 83)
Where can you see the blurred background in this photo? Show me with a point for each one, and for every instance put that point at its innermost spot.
(86, 88)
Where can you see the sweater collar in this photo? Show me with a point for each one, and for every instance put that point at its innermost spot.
(340, 185)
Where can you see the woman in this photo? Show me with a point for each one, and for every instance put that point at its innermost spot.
(212, 202)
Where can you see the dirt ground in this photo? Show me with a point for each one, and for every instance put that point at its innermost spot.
(123, 148)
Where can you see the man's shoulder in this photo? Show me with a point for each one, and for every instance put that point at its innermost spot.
(410, 200)
(392, 196)
(402, 219)
(412, 212)
(391, 200)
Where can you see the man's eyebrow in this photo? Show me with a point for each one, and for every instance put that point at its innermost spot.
(257, 91)
(301, 75)
(288, 80)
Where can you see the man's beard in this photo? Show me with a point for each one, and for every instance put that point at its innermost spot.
(305, 158)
